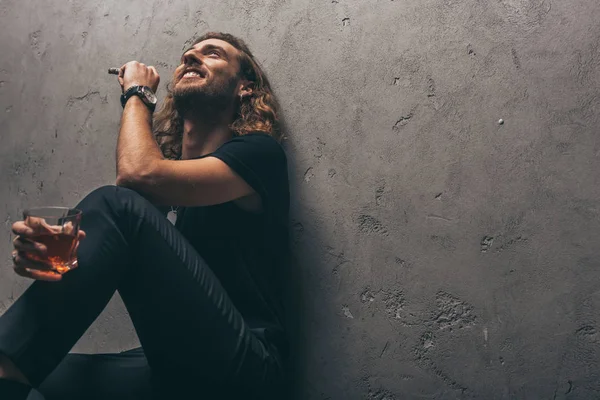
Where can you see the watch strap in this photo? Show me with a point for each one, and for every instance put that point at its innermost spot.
(135, 90)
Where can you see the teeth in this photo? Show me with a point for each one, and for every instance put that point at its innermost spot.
(190, 74)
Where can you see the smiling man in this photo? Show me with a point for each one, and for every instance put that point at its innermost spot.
(202, 286)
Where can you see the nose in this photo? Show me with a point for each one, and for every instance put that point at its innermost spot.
(190, 58)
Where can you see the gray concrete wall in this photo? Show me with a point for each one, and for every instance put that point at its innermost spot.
(439, 254)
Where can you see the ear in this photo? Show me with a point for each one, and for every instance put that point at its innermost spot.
(246, 88)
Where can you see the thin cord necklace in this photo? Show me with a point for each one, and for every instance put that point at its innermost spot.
(172, 215)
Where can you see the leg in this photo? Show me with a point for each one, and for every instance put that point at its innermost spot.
(122, 376)
(190, 330)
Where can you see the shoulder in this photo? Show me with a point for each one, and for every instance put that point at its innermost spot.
(259, 138)
(256, 136)
(257, 154)
(261, 161)
(255, 145)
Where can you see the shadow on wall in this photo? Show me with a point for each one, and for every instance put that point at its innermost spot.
(301, 291)
(293, 291)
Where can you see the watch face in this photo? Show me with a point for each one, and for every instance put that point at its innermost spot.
(149, 95)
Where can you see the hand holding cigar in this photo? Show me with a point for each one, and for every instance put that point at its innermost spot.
(136, 73)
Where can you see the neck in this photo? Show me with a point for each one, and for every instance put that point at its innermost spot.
(204, 134)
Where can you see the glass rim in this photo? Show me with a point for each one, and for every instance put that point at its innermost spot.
(42, 210)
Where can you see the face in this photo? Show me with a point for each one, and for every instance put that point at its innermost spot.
(207, 76)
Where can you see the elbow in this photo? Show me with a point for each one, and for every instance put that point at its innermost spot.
(128, 181)
(134, 180)
(145, 181)
(135, 174)
(123, 180)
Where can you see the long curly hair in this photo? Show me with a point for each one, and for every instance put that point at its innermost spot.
(258, 112)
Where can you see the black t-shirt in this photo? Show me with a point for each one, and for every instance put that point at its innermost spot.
(248, 251)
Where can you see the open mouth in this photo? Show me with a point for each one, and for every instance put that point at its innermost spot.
(193, 74)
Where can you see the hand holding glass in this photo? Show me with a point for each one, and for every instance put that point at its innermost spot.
(57, 228)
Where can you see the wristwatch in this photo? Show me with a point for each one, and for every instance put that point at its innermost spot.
(144, 92)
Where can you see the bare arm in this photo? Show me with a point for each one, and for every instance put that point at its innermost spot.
(142, 167)
(137, 151)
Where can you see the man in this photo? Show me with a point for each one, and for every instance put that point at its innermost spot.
(203, 295)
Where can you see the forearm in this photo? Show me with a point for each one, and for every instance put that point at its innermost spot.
(137, 149)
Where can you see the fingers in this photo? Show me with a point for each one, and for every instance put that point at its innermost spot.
(27, 246)
(69, 228)
(20, 228)
(29, 255)
(34, 269)
(24, 260)
(34, 226)
(137, 73)
(40, 225)
(157, 77)
(75, 250)
(38, 275)
(25, 265)
(120, 77)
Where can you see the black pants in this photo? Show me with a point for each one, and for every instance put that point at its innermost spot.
(196, 343)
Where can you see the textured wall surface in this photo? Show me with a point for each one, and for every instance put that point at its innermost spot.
(439, 254)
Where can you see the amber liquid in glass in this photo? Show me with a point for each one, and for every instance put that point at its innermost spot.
(60, 251)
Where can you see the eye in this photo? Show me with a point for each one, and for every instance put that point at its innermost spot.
(214, 52)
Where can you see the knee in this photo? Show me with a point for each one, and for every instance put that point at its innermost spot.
(112, 191)
(104, 192)
(110, 196)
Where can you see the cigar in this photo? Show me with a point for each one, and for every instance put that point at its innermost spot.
(114, 71)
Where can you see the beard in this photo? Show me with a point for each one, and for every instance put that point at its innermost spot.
(208, 98)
